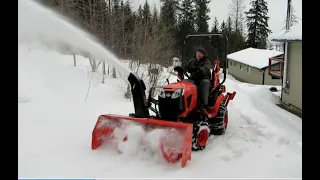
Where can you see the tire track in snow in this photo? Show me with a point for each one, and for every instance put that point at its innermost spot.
(239, 137)
(284, 122)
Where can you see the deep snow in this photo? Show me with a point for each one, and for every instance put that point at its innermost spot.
(55, 123)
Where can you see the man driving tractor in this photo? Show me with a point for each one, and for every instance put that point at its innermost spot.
(199, 69)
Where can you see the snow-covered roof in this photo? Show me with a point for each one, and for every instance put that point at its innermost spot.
(294, 34)
(257, 58)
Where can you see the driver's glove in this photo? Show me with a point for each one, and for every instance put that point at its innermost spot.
(195, 70)
(178, 68)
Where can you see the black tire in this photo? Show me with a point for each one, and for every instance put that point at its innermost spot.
(220, 123)
(202, 126)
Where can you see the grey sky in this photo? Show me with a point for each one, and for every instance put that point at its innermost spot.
(220, 9)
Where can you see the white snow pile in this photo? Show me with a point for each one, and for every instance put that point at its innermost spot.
(257, 58)
(146, 145)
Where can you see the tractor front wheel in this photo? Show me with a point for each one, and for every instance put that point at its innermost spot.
(200, 137)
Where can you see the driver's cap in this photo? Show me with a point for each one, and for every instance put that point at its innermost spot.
(201, 49)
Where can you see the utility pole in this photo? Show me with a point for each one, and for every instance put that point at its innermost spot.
(288, 23)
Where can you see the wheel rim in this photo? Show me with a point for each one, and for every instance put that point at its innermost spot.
(203, 137)
(125, 139)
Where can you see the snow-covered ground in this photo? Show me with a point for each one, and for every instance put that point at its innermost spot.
(55, 119)
(55, 125)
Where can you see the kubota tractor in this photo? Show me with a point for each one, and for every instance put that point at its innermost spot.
(184, 127)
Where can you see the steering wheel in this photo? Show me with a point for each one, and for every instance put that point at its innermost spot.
(181, 72)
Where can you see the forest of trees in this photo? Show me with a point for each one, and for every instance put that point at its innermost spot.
(148, 35)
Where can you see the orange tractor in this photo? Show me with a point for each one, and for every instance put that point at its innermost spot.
(184, 128)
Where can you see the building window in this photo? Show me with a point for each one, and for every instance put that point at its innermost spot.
(234, 64)
(230, 63)
(248, 69)
(240, 66)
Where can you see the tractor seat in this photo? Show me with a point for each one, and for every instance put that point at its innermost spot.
(214, 92)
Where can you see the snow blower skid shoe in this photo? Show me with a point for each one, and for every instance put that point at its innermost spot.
(172, 139)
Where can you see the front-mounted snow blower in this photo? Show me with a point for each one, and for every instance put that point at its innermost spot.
(178, 126)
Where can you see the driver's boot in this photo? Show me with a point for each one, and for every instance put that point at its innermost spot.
(203, 110)
(203, 107)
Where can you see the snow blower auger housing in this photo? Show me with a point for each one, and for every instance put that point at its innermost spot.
(178, 126)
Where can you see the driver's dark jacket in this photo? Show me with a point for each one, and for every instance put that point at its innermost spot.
(198, 69)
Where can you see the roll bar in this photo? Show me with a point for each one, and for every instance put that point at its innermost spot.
(209, 35)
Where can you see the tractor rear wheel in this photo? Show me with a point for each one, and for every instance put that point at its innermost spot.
(220, 123)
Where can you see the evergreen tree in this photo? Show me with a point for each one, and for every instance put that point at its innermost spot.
(168, 19)
(116, 5)
(186, 21)
(146, 13)
(49, 3)
(168, 13)
(223, 28)
(215, 41)
(202, 17)
(155, 15)
(127, 8)
(122, 5)
(128, 28)
(228, 33)
(237, 42)
(257, 23)
(187, 10)
(215, 28)
(140, 13)
(201, 26)
(229, 27)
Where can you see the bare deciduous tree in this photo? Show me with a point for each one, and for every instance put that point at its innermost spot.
(293, 19)
(236, 12)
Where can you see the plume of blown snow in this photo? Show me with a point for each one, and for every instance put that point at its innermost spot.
(48, 27)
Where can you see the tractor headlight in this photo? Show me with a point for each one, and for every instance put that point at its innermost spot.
(162, 94)
(177, 93)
